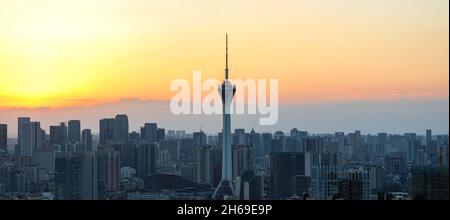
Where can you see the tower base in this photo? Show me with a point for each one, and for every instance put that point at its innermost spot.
(224, 191)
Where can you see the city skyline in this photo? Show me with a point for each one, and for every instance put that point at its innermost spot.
(318, 118)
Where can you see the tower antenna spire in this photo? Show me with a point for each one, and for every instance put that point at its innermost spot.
(226, 56)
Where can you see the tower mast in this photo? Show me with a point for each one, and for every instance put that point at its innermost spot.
(226, 57)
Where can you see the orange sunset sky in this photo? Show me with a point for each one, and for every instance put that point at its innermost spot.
(57, 53)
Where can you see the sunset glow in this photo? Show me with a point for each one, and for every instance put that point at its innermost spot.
(57, 53)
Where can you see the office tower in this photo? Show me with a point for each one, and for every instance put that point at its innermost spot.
(209, 165)
(429, 136)
(255, 141)
(147, 155)
(6, 177)
(411, 146)
(243, 159)
(3, 137)
(283, 168)
(354, 140)
(106, 131)
(324, 170)
(199, 140)
(86, 139)
(187, 151)
(134, 137)
(227, 91)
(429, 183)
(161, 134)
(58, 134)
(266, 142)
(431, 149)
(239, 136)
(354, 185)
(113, 182)
(68, 176)
(249, 186)
(395, 164)
(120, 129)
(20, 122)
(377, 176)
(74, 130)
(30, 138)
(90, 177)
(149, 133)
(128, 155)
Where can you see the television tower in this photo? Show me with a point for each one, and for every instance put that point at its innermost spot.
(227, 90)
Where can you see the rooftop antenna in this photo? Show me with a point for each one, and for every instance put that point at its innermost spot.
(226, 57)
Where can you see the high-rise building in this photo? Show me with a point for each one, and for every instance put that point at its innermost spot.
(199, 140)
(20, 122)
(3, 137)
(74, 131)
(266, 143)
(149, 133)
(147, 155)
(90, 176)
(429, 136)
(227, 91)
(354, 185)
(243, 158)
(161, 134)
(106, 131)
(58, 134)
(134, 137)
(68, 176)
(429, 183)
(255, 141)
(249, 186)
(209, 165)
(113, 182)
(283, 168)
(128, 155)
(120, 131)
(395, 164)
(31, 138)
(239, 136)
(86, 138)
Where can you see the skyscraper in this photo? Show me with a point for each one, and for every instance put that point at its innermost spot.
(429, 136)
(149, 132)
(120, 132)
(86, 138)
(58, 134)
(106, 130)
(227, 91)
(74, 130)
(283, 169)
(89, 189)
(31, 138)
(20, 122)
(146, 159)
(3, 136)
(68, 176)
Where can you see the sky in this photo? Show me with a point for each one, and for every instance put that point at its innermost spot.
(56, 53)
